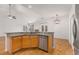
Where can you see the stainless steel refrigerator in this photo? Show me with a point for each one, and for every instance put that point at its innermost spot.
(76, 30)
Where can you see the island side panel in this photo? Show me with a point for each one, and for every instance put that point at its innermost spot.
(50, 43)
(9, 45)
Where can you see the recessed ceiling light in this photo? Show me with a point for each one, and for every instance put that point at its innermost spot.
(29, 6)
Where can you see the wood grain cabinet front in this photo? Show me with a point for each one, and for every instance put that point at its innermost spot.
(16, 43)
(34, 40)
(26, 42)
(29, 41)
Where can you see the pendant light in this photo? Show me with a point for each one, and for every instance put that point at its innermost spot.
(10, 16)
(57, 21)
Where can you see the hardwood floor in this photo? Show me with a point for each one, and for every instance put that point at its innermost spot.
(2, 43)
(62, 48)
(31, 52)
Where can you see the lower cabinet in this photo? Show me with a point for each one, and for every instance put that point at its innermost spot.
(16, 43)
(30, 41)
(34, 40)
(26, 42)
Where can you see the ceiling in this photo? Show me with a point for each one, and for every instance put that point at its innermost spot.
(43, 10)
(52, 9)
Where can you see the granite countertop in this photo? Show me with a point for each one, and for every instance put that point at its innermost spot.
(29, 33)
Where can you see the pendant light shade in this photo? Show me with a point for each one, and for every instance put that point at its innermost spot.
(57, 21)
(10, 16)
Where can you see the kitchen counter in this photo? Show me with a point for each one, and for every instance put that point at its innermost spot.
(29, 33)
(19, 40)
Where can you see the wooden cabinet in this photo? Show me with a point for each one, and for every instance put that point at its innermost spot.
(26, 42)
(29, 41)
(16, 43)
(34, 40)
(50, 43)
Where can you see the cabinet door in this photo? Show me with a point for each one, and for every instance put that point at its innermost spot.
(16, 43)
(34, 40)
(26, 42)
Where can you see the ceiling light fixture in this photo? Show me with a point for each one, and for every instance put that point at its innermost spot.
(29, 6)
(10, 16)
(57, 21)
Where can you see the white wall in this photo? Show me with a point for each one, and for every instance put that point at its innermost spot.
(71, 18)
(1, 30)
(60, 30)
(15, 25)
(2, 22)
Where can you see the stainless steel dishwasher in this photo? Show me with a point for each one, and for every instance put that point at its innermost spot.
(43, 42)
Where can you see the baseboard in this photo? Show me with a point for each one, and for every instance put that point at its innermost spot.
(43, 50)
(62, 39)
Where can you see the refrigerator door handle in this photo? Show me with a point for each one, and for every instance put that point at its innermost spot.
(75, 30)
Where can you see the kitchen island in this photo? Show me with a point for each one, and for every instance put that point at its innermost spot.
(27, 40)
